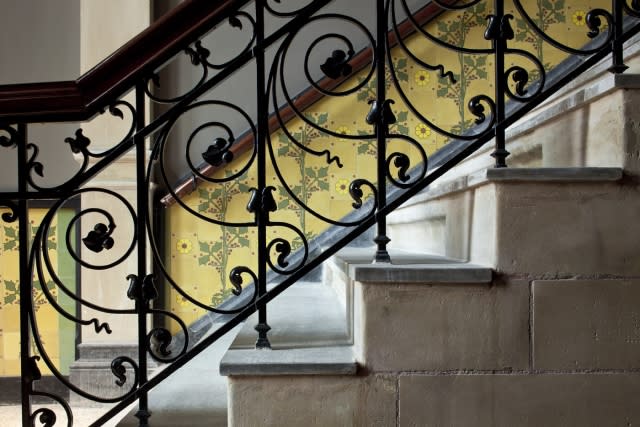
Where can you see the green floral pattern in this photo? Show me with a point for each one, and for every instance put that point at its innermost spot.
(470, 67)
(215, 200)
(548, 12)
(312, 178)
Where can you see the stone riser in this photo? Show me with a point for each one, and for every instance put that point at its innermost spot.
(415, 399)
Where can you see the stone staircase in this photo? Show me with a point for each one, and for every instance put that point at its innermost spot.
(546, 332)
(353, 380)
(512, 299)
(526, 313)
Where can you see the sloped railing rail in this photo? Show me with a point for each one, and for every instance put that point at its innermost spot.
(136, 67)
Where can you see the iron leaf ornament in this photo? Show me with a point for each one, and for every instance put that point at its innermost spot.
(99, 238)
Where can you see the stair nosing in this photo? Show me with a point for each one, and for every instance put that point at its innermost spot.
(337, 360)
(423, 273)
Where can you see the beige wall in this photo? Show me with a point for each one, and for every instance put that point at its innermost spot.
(59, 40)
(121, 20)
(40, 42)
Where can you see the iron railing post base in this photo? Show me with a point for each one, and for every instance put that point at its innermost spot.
(500, 155)
(143, 416)
(262, 342)
(382, 255)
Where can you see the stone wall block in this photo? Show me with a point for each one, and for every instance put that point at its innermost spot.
(310, 400)
(586, 324)
(404, 327)
(557, 229)
(551, 400)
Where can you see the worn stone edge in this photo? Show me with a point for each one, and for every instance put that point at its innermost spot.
(314, 361)
(423, 274)
(569, 175)
(485, 176)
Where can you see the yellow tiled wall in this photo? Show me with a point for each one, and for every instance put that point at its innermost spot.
(200, 256)
(57, 334)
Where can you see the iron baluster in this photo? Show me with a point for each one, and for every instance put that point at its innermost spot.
(142, 303)
(499, 31)
(261, 213)
(380, 115)
(25, 275)
(617, 42)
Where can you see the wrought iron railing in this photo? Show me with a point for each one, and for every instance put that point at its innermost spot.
(267, 188)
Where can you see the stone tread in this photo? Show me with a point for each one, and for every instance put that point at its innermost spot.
(581, 174)
(408, 267)
(337, 360)
(423, 273)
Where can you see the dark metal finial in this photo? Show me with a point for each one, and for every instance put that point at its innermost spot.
(33, 372)
(142, 290)
(262, 201)
(499, 28)
(500, 154)
(219, 152)
(79, 143)
(382, 255)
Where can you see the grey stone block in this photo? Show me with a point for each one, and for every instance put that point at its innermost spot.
(441, 327)
(423, 273)
(561, 230)
(293, 401)
(579, 174)
(549, 400)
(586, 324)
(294, 361)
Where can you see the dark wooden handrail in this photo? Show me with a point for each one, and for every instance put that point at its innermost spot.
(82, 98)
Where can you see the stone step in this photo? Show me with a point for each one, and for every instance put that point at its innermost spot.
(590, 123)
(447, 297)
(496, 351)
(554, 221)
(311, 361)
(299, 383)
